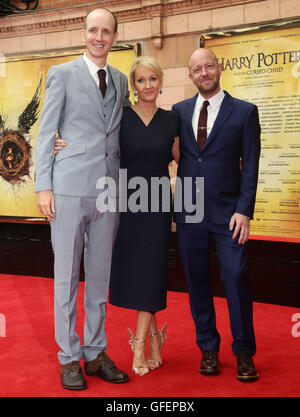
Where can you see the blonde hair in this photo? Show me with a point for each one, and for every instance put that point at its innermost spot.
(149, 63)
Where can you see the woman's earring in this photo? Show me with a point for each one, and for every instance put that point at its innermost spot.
(135, 93)
(160, 91)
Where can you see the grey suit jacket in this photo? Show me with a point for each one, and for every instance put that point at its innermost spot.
(74, 106)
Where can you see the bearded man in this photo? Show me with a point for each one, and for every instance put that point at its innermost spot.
(219, 142)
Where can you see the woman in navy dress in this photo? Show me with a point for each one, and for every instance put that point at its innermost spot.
(139, 269)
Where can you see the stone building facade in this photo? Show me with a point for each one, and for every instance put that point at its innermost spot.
(166, 29)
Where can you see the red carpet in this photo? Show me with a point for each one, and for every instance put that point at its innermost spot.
(29, 367)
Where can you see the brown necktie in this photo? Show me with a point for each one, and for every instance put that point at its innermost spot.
(202, 125)
(102, 81)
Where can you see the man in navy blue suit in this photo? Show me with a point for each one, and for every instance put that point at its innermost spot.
(219, 142)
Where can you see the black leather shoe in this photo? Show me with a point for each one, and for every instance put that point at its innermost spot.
(104, 367)
(72, 377)
(210, 363)
(245, 367)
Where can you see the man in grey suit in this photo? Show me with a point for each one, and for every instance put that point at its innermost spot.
(86, 110)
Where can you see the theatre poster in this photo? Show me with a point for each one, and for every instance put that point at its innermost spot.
(263, 67)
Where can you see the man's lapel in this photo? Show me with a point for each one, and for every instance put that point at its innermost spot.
(224, 112)
(189, 111)
(89, 85)
(117, 84)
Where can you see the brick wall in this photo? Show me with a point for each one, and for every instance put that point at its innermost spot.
(52, 4)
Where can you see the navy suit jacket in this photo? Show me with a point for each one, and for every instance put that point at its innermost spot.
(234, 141)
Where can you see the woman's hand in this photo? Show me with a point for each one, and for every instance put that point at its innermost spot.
(59, 144)
(175, 149)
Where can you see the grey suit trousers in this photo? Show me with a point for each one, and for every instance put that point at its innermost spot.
(78, 226)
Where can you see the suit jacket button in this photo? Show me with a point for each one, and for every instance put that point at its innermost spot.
(199, 159)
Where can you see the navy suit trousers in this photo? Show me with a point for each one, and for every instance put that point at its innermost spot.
(194, 244)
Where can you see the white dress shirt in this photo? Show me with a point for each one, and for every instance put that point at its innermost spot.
(212, 111)
(93, 68)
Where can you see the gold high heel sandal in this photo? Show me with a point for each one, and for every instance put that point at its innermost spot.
(155, 363)
(140, 369)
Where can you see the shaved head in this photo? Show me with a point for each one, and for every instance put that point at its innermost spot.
(201, 53)
(205, 72)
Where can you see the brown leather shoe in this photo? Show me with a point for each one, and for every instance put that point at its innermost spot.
(210, 363)
(72, 377)
(245, 367)
(104, 367)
